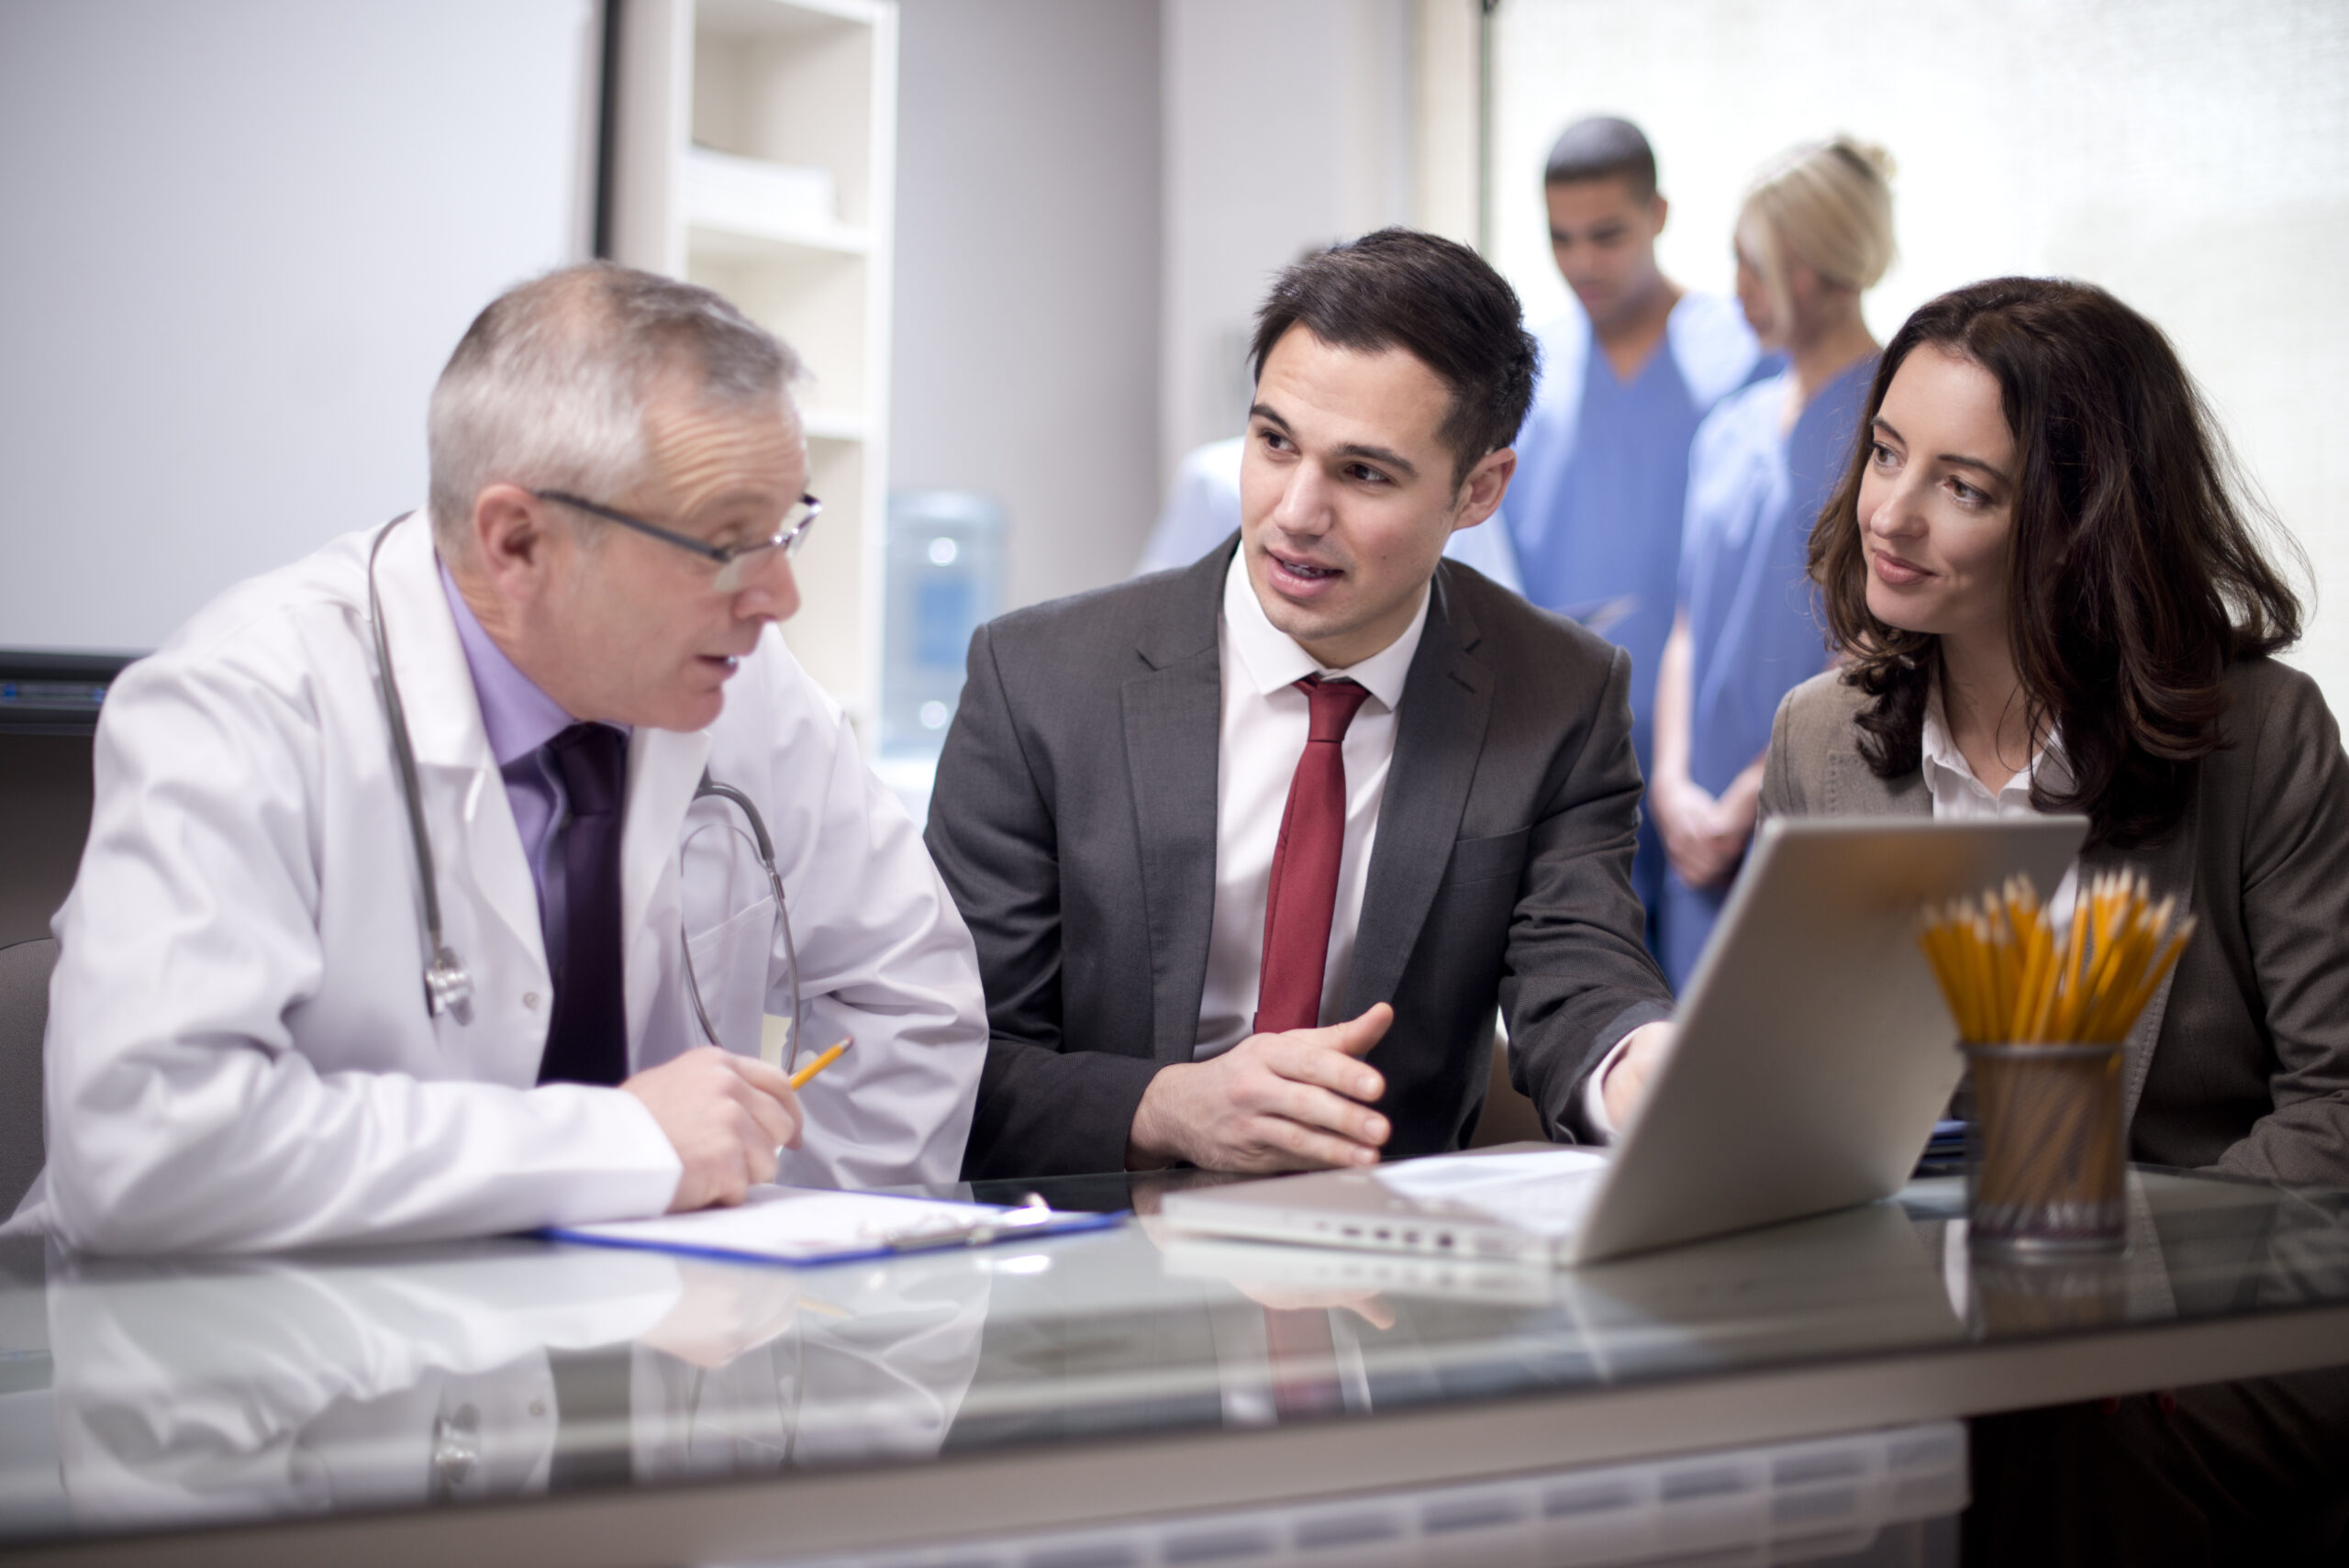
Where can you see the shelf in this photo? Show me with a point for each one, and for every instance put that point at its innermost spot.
(740, 205)
(753, 154)
(773, 18)
(834, 425)
(777, 241)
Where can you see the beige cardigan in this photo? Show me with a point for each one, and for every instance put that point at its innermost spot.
(2241, 1062)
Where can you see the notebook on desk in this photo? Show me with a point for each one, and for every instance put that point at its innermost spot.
(1813, 1058)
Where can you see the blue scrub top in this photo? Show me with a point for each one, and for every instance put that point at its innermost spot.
(1755, 628)
(1603, 474)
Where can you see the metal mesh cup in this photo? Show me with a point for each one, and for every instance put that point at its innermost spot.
(2044, 1157)
(2048, 1293)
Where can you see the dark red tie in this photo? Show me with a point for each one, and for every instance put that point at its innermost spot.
(1304, 866)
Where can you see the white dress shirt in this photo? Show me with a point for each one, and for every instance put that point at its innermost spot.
(1265, 721)
(1959, 796)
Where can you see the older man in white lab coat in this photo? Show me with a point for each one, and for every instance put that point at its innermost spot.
(242, 1050)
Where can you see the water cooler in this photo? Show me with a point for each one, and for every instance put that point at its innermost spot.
(945, 579)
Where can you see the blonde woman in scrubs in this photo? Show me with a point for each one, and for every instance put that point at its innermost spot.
(1814, 234)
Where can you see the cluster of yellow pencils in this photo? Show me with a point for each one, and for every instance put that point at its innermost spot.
(2010, 978)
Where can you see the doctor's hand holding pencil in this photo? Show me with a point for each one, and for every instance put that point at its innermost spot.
(726, 1115)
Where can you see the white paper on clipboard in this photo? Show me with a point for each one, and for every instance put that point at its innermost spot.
(812, 1225)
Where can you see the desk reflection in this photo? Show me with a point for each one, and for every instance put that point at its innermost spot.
(286, 1386)
(144, 1395)
(1247, 1333)
(2251, 1471)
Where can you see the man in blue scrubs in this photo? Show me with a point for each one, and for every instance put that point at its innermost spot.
(1603, 459)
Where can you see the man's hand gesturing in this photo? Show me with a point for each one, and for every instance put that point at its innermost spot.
(725, 1115)
(1297, 1101)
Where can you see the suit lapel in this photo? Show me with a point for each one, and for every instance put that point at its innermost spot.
(1853, 789)
(1173, 720)
(2138, 1062)
(2169, 868)
(1439, 736)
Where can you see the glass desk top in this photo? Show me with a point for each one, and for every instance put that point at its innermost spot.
(159, 1395)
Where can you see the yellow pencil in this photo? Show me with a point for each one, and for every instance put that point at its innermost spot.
(831, 1055)
(2010, 975)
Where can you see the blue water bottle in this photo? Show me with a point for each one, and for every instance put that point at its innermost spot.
(945, 580)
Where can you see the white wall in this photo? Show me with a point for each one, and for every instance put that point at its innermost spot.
(2190, 155)
(241, 237)
(1024, 350)
(1288, 125)
(1092, 197)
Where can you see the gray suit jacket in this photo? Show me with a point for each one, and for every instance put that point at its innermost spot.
(1074, 822)
(2241, 1060)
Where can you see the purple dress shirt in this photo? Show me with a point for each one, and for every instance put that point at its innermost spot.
(520, 719)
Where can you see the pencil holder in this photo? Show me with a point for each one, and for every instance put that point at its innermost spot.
(2044, 1158)
(2048, 1293)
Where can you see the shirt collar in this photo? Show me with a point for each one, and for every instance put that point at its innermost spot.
(1941, 755)
(519, 717)
(1273, 658)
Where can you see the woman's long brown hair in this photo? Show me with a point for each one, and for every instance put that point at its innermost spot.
(2135, 576)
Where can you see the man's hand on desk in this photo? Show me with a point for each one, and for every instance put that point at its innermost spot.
(1644, 1050)
(1274, 1102)
(725, 1115)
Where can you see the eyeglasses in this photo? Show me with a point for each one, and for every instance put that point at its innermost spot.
(735, 561)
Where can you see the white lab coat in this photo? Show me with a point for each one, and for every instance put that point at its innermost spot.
(238, 1055)
(277, 1387)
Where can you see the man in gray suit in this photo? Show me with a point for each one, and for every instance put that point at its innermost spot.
(1252, 850)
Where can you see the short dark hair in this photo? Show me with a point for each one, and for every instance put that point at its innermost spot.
(2136, 572)
(1436, 300)
(1602, 148)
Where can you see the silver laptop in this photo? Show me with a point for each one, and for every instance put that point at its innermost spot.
(1814, 1054)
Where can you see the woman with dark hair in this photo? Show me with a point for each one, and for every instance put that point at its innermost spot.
(2051, 597)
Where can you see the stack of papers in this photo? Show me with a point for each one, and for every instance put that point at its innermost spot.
(812, 1225)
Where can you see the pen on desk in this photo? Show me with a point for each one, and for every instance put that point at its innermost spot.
(831, 1055)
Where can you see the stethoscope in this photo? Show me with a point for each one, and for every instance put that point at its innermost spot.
(447, 983)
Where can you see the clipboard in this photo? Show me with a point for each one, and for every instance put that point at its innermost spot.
(811, 1227)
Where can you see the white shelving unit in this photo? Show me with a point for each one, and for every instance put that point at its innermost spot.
(756, 154)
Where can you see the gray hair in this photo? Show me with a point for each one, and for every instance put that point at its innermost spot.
(548, 387)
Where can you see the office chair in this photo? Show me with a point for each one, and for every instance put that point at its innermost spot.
(24, 1014)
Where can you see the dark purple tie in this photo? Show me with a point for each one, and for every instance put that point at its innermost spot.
(587, 1036)
(1304, 892)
